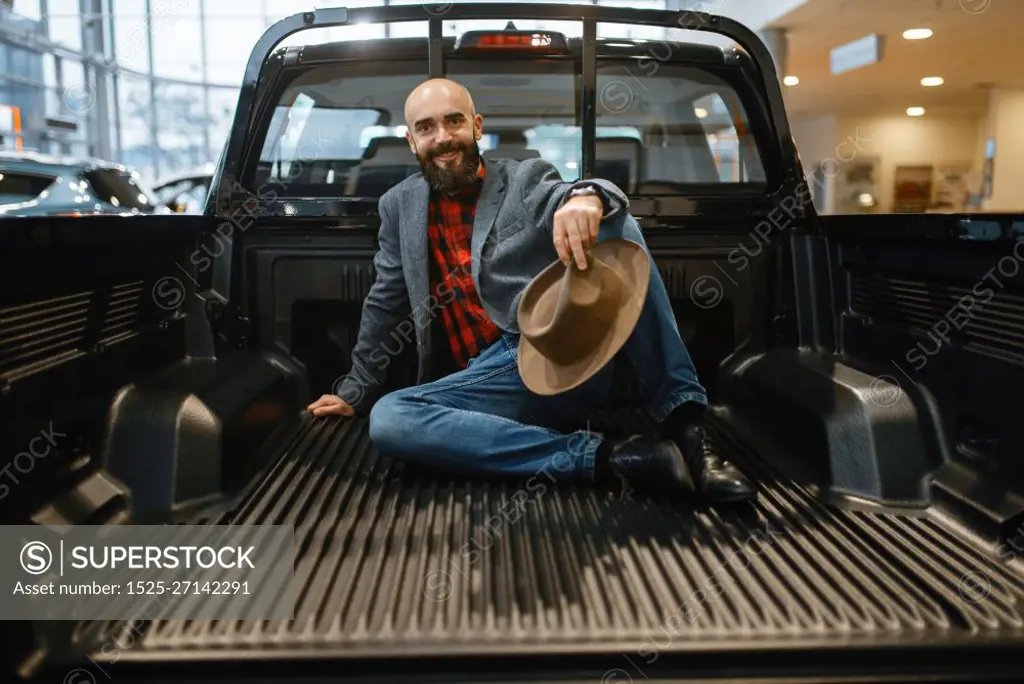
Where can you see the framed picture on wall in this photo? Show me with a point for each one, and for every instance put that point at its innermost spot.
(912, 192)
(857, 186)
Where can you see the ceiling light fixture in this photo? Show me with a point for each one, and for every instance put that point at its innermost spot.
(700, 112)
(932, 81)
(915, 111)
(917, 34)
(791, 81)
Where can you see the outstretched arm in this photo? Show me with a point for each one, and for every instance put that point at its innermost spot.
(573, 222)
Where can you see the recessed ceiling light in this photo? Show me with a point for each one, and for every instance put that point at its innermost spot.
(917, 34)
(791, 81)
(915, 111)
(931, 81)
(700, 112)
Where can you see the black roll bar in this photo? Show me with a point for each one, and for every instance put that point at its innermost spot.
(235, 152)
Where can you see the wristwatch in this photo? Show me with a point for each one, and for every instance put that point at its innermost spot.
(584, 190)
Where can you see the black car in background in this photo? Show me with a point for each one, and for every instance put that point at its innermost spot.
(185, 193)
(33, 184)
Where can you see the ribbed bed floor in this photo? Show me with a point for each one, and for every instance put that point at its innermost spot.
(389, 557)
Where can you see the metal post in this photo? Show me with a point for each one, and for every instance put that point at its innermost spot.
(206, 87)
(115, 77)
(588, 98)
(436, 48)
(154, 147)
(96, 80)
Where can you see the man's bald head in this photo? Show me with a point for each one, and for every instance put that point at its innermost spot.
(443, 129)
(438, 92)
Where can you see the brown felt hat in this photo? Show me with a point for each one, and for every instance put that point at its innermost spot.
(572, 322)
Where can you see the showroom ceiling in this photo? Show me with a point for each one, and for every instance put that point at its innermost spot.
(971, 48)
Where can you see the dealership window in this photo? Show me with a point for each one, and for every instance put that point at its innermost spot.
(65, 23)
(131, 37)
(181, 116)
(135, 113)
(177, 48)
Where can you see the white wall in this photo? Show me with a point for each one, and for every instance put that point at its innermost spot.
(895, 141)
(905, 140)
(815, 140)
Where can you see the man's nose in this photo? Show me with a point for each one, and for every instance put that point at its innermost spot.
(443, 135)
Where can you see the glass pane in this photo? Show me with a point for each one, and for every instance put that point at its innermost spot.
(682, 124)
(233, 9)
(28, 9)
(65, 23)
(177, 48)
(529, 106)
(222, 113)
(20, 187)
(226, 59)
(341, 131)
(49, 70)
(632, 31)
(279, 9)
(131, 35)
(76, 97)
(121, 190)
(136, 113)
(180, 114)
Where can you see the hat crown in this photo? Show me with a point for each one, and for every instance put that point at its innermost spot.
(571, 320)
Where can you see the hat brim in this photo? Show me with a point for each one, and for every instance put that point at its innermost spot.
(545, 377)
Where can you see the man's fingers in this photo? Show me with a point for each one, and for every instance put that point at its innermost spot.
(334, 410)
(324, 400)
(561, 244)
(594, 223)
(578, 248)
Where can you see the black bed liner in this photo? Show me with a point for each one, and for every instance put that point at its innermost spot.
(379, 572)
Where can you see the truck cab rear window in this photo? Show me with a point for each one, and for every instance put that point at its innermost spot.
(340, 131)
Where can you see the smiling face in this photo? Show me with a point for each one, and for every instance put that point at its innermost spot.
(443, 130)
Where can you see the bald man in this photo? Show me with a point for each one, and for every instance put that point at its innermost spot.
(469, 410)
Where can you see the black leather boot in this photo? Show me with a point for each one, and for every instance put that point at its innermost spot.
(715, 479)
(646, 463)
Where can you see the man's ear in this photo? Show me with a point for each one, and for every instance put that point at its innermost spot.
(412, 145)
(478, 126)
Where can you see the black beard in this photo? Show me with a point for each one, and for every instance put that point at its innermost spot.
(451, 179)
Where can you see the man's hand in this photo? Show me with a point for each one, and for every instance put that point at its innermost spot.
(331, 405)
(575, 228)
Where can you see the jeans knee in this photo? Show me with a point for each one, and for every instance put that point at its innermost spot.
(622, 225)
(388, 429)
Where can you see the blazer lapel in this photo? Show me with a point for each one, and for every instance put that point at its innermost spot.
(491, 194)
(413, 235)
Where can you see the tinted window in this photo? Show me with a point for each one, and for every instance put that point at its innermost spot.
(340, 130)
(694, 128)
(121, 189)
(22, 187)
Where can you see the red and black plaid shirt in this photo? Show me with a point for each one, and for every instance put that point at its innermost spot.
(449, 228)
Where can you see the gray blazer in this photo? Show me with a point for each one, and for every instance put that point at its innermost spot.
(511, 244)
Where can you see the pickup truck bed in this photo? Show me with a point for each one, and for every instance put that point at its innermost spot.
(616, 576)
(876, 411)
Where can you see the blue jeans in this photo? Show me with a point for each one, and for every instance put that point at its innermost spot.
(483, 419)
